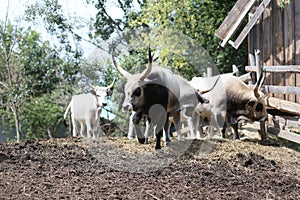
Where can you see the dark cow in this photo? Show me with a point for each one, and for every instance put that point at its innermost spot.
(156, 93)
(231, 99)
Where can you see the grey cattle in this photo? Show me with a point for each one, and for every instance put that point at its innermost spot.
(231, 99)
(86, 110)
(156, 93)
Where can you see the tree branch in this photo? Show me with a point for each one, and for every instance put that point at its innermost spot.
(4, 85)
(114, 22)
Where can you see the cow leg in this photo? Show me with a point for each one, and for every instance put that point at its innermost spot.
(235, 125)
(130, 131)
(196, 121)
(236, 131)
(95, 129)
(177, 124)
(74, 125)
(88, 129)
(167, 130)
(147, 130)
(82, 127)
(136, 118)
(158, 137)
(191, 127)
(224, 129)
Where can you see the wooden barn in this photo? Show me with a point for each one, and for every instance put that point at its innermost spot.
(272, 30)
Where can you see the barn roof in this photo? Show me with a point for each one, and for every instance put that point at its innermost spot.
(234, 19)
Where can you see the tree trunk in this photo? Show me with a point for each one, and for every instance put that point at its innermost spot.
(17, 122)
(49, 133)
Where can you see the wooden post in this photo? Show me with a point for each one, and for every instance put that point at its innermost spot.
(251, 59)
(252, 63)
(210, 71)
(258, 64)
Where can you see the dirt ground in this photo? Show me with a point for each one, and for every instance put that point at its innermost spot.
(118, 168)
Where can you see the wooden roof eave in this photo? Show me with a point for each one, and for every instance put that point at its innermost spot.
(234, 19)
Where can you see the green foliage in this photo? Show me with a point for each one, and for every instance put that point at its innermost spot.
(31, 72)
(41, 116)
(198, 20)
(284, 3)
(51, 14)
(105, 25)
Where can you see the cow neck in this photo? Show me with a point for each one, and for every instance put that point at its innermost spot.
(98, 105)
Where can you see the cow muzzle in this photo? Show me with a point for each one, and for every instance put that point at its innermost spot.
(127, 107)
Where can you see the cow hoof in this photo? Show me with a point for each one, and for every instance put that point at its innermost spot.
(168, 143)
(157, 148)
(141, 140)
(146, 141)
(180, 138)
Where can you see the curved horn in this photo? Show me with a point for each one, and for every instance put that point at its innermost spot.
(149, 68)
(119, 68)
(258, 84)
(91, 86)
(111, 84)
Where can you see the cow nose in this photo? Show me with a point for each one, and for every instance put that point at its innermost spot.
(104, 104)
(127, 107)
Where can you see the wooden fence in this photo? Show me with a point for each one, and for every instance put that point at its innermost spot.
(284, 115)
(277, 35)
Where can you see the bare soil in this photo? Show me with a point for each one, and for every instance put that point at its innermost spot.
(118, 168)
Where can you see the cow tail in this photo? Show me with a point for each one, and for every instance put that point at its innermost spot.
(98, 113)
(208, 90)
(200, 98)
(66, 112)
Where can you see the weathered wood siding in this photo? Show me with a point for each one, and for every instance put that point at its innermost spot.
(277, 35)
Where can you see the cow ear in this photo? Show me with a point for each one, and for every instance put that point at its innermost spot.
(109, 92)
(93, 92)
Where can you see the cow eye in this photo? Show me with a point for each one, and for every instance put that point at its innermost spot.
(259, 107)
(251, 103)
(137, 92)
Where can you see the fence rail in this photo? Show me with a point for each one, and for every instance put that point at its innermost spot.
(279, 105)
(276, 69)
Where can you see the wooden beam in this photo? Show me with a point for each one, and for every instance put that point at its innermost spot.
(276, 69)
(283, 105)
(281, 89)
(294, 137)
(233, 20)
(258, 64)
(250, 24)
(251, 60)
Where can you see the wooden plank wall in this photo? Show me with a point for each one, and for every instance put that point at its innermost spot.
(277, 35)
(297, 41)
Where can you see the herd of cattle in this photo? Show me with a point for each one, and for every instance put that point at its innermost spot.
(159, 96)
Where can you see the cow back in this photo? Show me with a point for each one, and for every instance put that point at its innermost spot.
(84, 106)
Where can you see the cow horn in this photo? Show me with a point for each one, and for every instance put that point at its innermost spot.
(258, 83)
(93, 87)
(111, 84)
(149, 68)
(126, 74)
